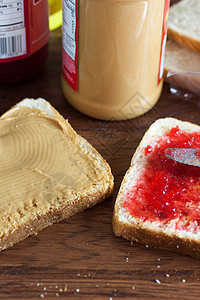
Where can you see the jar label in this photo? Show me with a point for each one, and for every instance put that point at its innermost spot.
(164, 40)
(70, 43)
(20, 32)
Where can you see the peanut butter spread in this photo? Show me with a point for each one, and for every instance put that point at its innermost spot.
(42, 163)
(119, 49)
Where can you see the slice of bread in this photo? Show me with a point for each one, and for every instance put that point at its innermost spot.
(184, 24)
(143, 221)
(62, 190)
(180, 59)
(182, 67)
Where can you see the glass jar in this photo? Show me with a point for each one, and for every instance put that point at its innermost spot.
(113, 56)
(24, 34)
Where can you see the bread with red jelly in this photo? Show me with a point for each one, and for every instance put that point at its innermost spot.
(158, 201)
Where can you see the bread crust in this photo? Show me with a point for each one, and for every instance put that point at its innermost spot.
(183, 40)
(48, 219)
(63, 207)
(182, 67)
(134, 229)
(158, 240)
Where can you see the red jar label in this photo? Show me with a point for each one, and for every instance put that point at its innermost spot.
(24, 28)
(163, 42)
(70, 43)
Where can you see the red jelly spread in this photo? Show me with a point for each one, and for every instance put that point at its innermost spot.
(166, 189)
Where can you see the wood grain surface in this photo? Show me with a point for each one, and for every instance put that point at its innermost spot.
(80, 258)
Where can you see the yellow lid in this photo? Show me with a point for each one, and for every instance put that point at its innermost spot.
(55, 18)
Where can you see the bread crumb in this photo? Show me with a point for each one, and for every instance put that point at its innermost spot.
(158, 266)
(167, 275)
(158, 281)
(158, 259)
(183, 280)
(65, 289)
(173, 91)
(133, 288)
(38, 284)
(57, 295)
(60, 290)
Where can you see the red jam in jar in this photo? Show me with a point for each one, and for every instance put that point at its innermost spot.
(24, 34)
(167, 190)
(22, 70)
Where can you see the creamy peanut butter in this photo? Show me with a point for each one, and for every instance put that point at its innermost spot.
(119, 50)
(42, 161)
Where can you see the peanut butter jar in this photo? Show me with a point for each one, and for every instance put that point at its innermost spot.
(112, 60)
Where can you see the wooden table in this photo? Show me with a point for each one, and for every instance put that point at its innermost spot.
(80, 257)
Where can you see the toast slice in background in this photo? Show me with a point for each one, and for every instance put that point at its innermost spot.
(184, 24)
(182, 67)
(180, 59)
(70, 174)
(158, 201)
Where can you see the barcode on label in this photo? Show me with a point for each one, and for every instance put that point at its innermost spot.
(12, 45)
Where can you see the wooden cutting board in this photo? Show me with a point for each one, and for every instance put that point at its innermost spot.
(80, 258)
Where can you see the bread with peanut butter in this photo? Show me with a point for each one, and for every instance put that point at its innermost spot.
(184, 24)
(48, 171)
(158, 203)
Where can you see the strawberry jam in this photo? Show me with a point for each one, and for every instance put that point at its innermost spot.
(167, 190)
